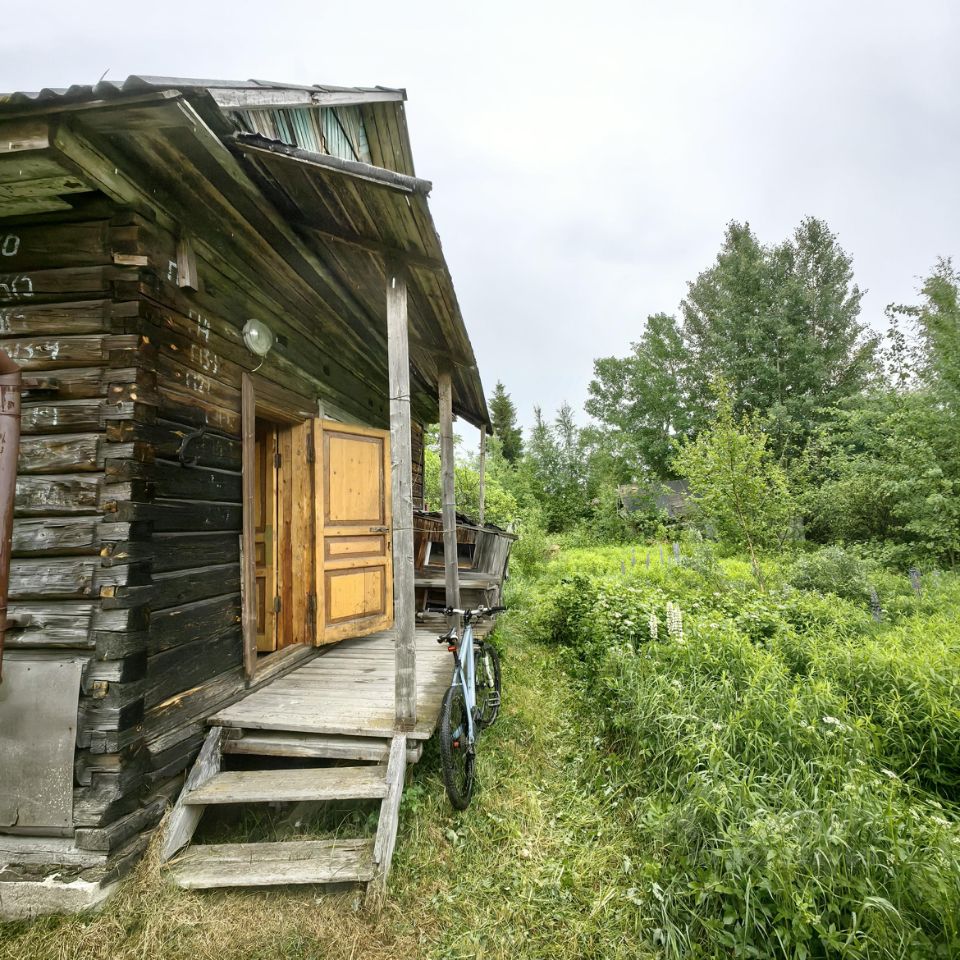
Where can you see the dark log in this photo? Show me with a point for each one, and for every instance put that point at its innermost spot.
(165, 438)
(174, 671)
(184, 624)
(178, 481)
(188, 586)
(69, 319)
(177, 551)
(183, 515)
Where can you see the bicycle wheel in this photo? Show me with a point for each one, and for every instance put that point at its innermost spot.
(488, 684)
(456, 755)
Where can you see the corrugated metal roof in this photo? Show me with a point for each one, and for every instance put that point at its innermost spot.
(107, 89)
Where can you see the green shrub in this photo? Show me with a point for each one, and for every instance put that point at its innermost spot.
(832, 570)
(529, 553)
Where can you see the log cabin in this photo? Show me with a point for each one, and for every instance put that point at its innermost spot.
(233, 317)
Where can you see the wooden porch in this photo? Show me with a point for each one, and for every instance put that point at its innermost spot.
(333, 717)
(357, 711)
(347, 690)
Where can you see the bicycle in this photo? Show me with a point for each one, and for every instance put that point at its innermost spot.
(470, 705)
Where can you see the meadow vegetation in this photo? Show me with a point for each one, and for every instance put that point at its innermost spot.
(790, 765)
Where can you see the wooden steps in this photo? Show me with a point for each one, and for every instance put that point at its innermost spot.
(266, 786)
(287, 862)
(274, 864)
(274, 743)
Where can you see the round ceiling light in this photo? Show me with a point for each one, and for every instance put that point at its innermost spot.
(258, 337)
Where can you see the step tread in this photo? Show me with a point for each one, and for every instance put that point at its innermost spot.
(264, 786)
(330, 746)
(273, 864)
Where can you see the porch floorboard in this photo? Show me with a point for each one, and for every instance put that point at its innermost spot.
(348, 690)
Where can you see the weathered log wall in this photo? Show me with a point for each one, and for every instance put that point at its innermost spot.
(129, 509)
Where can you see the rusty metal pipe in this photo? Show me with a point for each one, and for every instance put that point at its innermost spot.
(9, 451)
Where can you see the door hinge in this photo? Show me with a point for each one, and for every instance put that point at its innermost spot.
(276, 603)
(276, 461)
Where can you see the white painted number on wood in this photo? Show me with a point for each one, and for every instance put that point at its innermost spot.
(10, 245)
(15, 287)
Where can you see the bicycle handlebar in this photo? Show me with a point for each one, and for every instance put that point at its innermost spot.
(480, 611)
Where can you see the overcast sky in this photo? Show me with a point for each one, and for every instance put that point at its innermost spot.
(586, 157)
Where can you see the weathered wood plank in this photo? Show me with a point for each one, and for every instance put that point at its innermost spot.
(69, 535)
(448, 495)
(66, 319)
(401, 491)
(272, 864)
(389, 820)
(56, 350)
(50, 624)
(184, 817)
(265, 786)
(68, 577)
(110, 837)
(59, 495)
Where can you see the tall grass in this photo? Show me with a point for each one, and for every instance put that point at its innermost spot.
(793, 765)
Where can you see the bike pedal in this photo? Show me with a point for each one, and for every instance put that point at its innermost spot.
(493, 699)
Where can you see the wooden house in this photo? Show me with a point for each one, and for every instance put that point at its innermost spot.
(233, 316)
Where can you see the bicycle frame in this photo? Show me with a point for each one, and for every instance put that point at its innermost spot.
(466, 677)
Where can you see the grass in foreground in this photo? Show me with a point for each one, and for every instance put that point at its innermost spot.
(538, 867)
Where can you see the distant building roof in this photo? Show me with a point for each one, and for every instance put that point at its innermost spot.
(668, 496)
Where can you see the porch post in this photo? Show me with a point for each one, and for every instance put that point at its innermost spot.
(483, 475)
(448, 492)
(401, 489)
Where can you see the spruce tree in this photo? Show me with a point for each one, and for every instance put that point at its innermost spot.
(503, 413)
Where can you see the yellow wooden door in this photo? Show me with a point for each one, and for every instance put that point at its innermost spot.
(353, 528)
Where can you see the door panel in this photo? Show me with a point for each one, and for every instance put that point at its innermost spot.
(353, 532)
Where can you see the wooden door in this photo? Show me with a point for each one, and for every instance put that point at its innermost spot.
(265, 534)
(353, 525)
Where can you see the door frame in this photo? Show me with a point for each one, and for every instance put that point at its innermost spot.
(266, 400)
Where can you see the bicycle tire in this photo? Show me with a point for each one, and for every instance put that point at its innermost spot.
(456, 756)
(488, 706)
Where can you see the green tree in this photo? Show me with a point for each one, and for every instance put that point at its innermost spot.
(503, 415)
(556, 469)
(740, 491)
(500, 505)
(643, 400)
(881, 474)
(885, 471)
(781, 326)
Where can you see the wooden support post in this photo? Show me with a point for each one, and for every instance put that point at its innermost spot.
(404, 600)
(386, 838)
(483, 477)
(448, 495)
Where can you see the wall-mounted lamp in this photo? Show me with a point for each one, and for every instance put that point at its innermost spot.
(258, 337)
